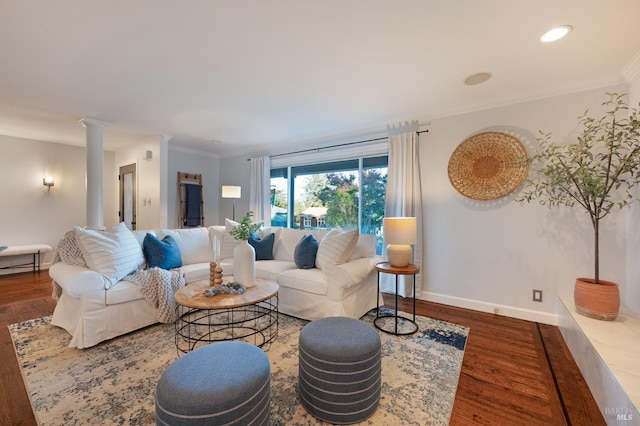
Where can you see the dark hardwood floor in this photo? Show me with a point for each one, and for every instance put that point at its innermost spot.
(514, 372)
(22, 297)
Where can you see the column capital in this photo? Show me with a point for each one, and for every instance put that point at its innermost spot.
(165, 138)
(92, 122)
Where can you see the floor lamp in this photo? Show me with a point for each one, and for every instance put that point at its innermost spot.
(231, 191)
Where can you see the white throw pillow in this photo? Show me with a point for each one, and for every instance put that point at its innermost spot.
(228, 242)
(114, 253)
(336, 247)
(365, 247)
(194, 244)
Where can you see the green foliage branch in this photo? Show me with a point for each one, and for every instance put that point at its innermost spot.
(596, 173)
(245, 228)
(340, 195)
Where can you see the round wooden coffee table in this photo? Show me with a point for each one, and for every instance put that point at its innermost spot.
(251, 316)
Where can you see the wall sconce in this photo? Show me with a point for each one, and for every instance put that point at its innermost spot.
(48, 182)
(230, 191)
(399, 233)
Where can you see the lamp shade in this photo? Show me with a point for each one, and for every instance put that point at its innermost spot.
(400, 230)
(231, 191)
(399, 233)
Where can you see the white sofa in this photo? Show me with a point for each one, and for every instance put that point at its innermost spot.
(92, 310)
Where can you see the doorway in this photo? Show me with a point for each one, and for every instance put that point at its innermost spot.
(127, 211)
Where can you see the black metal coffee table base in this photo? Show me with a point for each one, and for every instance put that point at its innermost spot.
(256, 324)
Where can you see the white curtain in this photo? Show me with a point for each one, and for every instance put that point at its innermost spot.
(404, 195)
(260, 190)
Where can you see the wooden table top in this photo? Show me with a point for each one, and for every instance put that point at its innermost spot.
(410, 269)
(192, 295)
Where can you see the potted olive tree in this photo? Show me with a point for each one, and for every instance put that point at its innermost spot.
(596, 174)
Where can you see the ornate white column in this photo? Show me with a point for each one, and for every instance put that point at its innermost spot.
(95, 155)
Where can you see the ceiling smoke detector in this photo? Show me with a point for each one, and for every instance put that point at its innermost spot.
(555, 34)
(477, 78)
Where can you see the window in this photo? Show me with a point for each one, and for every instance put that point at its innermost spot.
(349, 194)
(374, 189)
(279, 198)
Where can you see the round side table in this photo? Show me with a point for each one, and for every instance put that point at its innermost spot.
(387, 268)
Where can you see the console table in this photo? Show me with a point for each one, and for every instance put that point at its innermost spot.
(387, 268)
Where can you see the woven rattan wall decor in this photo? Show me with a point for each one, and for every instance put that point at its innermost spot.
(488, 166)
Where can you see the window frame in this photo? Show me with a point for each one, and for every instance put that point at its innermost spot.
(358, 165)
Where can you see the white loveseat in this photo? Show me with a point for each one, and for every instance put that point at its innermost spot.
(93, 310)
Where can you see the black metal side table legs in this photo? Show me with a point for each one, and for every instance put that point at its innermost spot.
(409, 326)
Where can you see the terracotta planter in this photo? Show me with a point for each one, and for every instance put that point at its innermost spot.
(600, 301)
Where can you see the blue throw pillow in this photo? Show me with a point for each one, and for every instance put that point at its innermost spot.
(163, 254)
(263, 247)
(305, 253)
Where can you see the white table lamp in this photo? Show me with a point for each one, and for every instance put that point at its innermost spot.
(399, 233)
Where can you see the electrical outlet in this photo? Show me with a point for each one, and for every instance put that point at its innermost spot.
(537, 295)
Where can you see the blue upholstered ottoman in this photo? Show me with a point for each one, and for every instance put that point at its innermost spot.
(222, 383)
(339, 374)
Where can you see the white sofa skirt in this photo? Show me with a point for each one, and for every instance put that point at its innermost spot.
(356, 301)
(89, 328)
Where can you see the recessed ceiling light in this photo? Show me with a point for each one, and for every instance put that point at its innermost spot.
(556, 33)
(477, 78)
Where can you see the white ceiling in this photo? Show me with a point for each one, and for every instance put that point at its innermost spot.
(258, 75)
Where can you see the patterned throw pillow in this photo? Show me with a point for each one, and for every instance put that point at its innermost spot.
(114, 253)
(305, 252)
(263, 247)
(164, 254)
(336, 247)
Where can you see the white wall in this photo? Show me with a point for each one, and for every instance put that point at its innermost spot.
(492, 255)
(197, 163)
(235, 171)
(633, 226)
(28, 213)
(148, 184)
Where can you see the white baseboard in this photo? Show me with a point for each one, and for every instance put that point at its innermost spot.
(493, 308)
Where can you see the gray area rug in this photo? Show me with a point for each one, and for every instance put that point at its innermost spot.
(114, 382)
